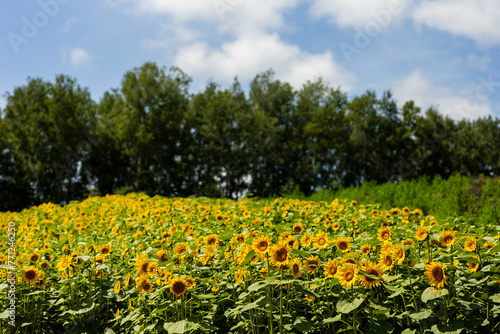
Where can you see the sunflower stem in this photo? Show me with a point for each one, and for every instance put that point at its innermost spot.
(281, 302)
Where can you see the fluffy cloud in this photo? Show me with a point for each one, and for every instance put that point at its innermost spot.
(77, 57)
(249, 55)
(348, 13)
(233, 16)
(475, 19)
(417, 88)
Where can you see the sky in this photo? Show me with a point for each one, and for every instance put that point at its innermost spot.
(441, 53)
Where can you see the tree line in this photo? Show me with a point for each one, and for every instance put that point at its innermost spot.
(152, 135)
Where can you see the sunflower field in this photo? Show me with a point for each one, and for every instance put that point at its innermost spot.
(139, 264)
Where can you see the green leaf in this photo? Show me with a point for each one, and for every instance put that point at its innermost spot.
(344, 306)
(300, 288)
(302, 325)
(332, 320)
(299, 252)
(421, 315)
(179, 327)
(249, 257)
(257, 286)
(84, 308)
(495, 298)
(432, 293)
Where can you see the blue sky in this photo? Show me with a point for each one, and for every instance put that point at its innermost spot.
(444, 53)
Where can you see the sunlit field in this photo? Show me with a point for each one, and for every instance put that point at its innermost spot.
(139, 264)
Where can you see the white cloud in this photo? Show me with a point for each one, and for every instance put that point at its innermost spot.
(230, 16)
(417, 88)
(349, 13)
(475, 19)
(77, 57)
(249, 55)
(68, 25)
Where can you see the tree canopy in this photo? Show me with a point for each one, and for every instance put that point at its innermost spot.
(152, 135)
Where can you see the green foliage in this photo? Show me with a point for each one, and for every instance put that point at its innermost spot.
(152, 135)
(476, 199)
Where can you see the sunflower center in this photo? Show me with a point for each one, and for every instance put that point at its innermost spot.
(145, 285)
(342, 245)
(448, 239)
(349, 275)
(281, 255)
(263, 245)
(145, 266)
(295, 268)
(388, 260)
(321, 241)
(437, 273)
(372, 272)
(333, 270)
(178, 287)
(30, 274)
(34, 258)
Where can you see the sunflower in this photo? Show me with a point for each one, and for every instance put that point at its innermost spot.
(296, 268)
(373, 270)
(178, 286)
(343, 244)
(384, 234)
(212, 240)
(330, 268)
(238, 239)
(434, 242)
(152, 269)
(127, 280)
(34, 257)
(239, 275)
(312, 264)
(306, 240)
(422, 233)
(261, 244)
(167, 276)
(40, 283)
(470, 244)
(394, 211)
(117, 287)
(44, 265)
(435, 273)
(386, 261)
(284, 235)
(297, 228)
(365, 249)
(321, 240)
(309, 298)
(64, 263)
(162, 255)
(280, 254)
(347, 275)
(190, 282)
(386, 247)
(399, 254)
(105, 249)
(473, 267)
(31, 274)
(144, 284)
(448, 238)
(335, 226)
(181, 248)
(290, 241)
(489, 244)
(142, 265)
